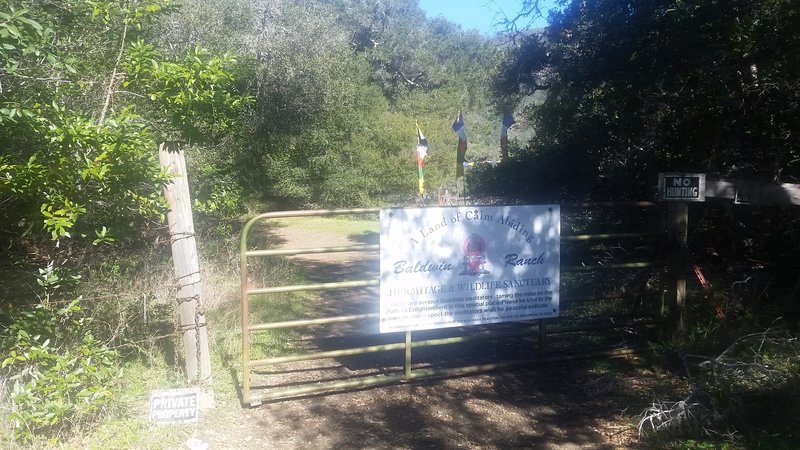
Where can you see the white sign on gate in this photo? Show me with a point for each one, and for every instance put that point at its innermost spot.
(455, 266)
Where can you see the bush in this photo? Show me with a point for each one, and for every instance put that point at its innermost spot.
(750, 393)
(57, 373)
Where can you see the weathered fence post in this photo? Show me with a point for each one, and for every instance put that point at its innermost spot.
(187, 268)
(677, 222)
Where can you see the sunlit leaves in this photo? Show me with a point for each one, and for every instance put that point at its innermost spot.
(195, 93)
(92, 174)
(73, 170)
(20, 35)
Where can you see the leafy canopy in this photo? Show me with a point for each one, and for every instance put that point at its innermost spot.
(80, 131)
(634, 88)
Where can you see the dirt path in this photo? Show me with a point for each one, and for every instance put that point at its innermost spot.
(586, 404)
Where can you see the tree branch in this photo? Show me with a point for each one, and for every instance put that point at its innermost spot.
(112, 79)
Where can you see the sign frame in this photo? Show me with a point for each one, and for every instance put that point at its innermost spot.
(682, 183)
(174, 405)
(468, 265)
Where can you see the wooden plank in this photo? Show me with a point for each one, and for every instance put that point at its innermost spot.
(677, 223)
(757, 193)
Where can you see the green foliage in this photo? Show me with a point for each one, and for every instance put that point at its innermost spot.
(695, 444)
(638, 88)
(224, 202)
(20, 36)
(755, 382)
(315, 142)
(135, 13)
(83, 174)
(194, 92)
(79, 160)
(218, 198)
(59, 374)
(332, 120)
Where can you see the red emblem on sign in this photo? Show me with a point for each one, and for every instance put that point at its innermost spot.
(474, 255)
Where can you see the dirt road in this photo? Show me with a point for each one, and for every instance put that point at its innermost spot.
(588, 404)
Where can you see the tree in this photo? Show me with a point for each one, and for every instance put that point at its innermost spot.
(72, 164)
(332, 123)
(79, 160)
(634, 88)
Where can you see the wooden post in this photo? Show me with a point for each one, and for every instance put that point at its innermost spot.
(187, 268)
(541, 338)
(677, 222)
(407, 365)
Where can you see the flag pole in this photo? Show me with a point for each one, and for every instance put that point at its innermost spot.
(461, 130)
(422, 151)
(505, 124)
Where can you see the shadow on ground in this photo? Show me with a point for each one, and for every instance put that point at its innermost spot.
(579, 404)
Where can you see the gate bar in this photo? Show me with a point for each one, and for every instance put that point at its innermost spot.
(408, 345)
(632, 203)
(320, 321)
(378, 380)
(354, 317)
(314, 287)
(302, 251)
(407, 364)
(631, 265)
(589, 237)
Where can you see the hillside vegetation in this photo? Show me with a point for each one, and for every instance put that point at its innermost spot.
(284, 104)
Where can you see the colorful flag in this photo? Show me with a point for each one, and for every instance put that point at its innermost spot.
(422, 152)
(461, 153)
(508, 120)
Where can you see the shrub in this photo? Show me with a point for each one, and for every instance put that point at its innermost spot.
(749, 391)
(57, 373)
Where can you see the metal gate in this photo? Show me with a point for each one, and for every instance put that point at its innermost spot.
(612, 294)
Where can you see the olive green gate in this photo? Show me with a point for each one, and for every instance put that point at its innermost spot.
(638, 294)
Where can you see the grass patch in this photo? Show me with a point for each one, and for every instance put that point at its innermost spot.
(126, 424)
(346, 225)
(130, 298)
